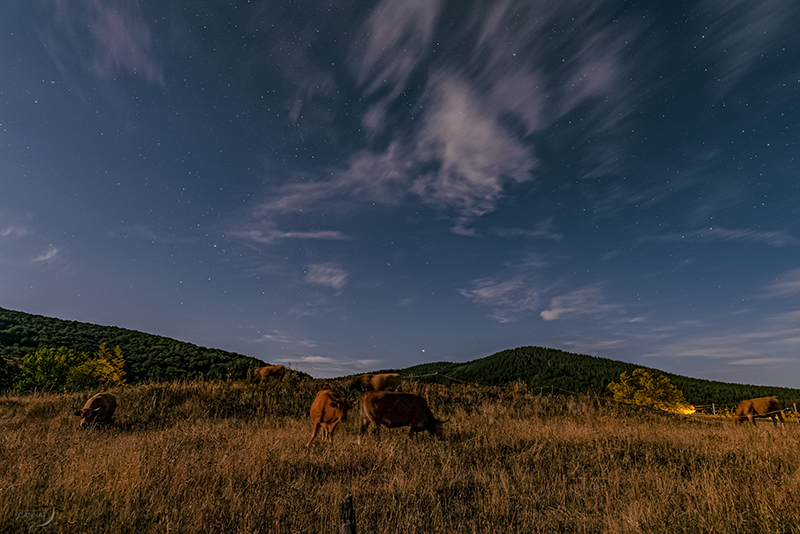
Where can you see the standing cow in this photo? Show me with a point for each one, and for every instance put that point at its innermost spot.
(267, 372)
(327, 410)
(98, 409)
(761, 407)
(375, 382)
(395, 409)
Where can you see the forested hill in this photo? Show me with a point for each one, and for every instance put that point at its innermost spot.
(147, 356)
(556, 371)
(151, 357)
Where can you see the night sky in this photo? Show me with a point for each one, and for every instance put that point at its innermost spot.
(350, 186)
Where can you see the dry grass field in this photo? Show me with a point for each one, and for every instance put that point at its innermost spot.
(199, 457)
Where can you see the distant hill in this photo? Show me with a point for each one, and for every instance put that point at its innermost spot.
(556, 371)
(147, 356)
(151, 357)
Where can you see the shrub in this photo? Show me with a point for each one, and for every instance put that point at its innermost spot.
(648, 387)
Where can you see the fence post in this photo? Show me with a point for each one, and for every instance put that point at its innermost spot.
(796, 418)
(713, 409)
(347, 516)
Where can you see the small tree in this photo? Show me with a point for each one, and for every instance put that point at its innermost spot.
(648, 387)
(107, 367)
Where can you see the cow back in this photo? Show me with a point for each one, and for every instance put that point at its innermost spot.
(395, 409)
(328, 406)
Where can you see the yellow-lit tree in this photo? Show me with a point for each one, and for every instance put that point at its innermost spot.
(105, 368)
(649, 387)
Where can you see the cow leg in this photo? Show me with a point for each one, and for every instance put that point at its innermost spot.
(330, 429)
(313, 434)
(775, 418)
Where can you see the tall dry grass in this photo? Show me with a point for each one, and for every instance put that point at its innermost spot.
(224, 457)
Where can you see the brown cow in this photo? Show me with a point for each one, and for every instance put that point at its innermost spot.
(98, 409)
(761, 407)
(372, 382)
(267, 372)
(393, 409)
(327, 410)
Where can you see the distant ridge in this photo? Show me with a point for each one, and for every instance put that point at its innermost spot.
(556, 371)
(147, 356)
(152, 357)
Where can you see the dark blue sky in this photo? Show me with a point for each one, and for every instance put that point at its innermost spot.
(347, 186)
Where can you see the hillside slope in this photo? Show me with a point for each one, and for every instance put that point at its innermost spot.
(551, 370)
(147, 356)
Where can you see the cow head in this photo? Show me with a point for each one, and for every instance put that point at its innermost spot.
(88, 415)
(341, 405)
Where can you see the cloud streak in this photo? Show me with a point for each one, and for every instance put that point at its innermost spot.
(584, 301)
(785, 285)
(740, 34)
(119, 38)
(511, 299)
(327, 274)
(775, 238)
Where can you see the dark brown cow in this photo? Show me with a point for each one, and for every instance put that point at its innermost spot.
(372, 382)
(98, 409)
(327, 410)
(394, 409)
(761, 407)
(267, 372)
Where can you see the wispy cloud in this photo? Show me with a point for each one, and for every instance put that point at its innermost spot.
(452, 130)
(775, 238)
(144, 232)
(776, 339)
(511, 299)
(122, 40)
(542, 230)
(786, 284)
(285, 339)
(327, 274)
(268, 236)
(21, 243)
(585, 301)
(49, 256)
(322, 366)
(395, 39)
(13, 232)
(736, 35)
(475, 157)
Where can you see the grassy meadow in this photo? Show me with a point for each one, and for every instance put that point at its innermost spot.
(199, 457)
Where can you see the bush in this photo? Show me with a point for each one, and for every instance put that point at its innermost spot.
(648, 387)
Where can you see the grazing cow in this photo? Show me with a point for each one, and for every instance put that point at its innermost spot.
(98, 409)
(261, 374)
(761, 407)
(379, 382)
(393, 409)
(327, 410)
